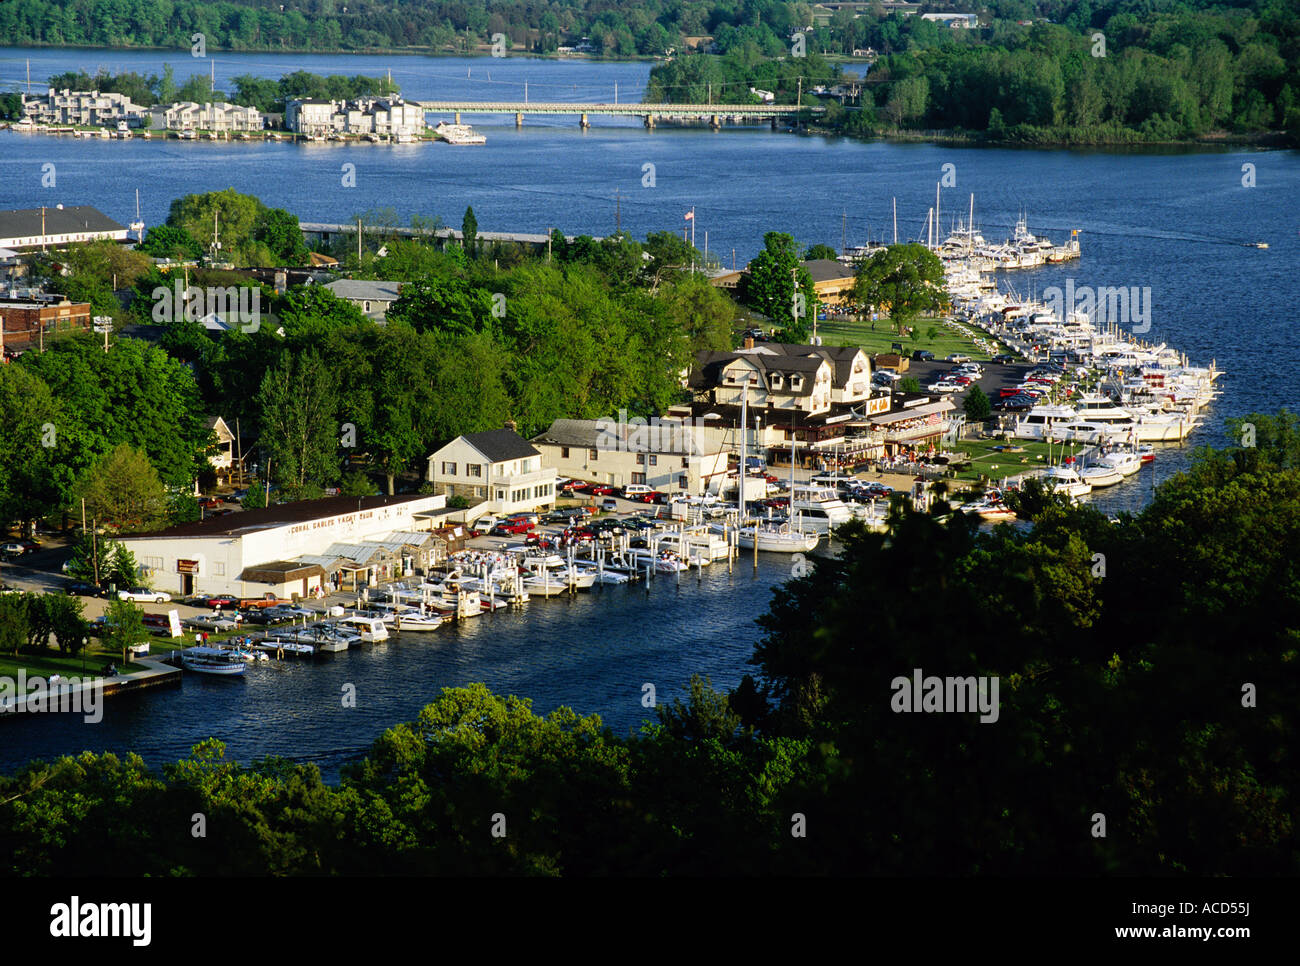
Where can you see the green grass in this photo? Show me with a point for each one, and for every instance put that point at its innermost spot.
(52, 662)
(985, 460)
(859, 333)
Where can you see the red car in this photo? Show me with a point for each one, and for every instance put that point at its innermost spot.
(209, 502)
(602, 491)
(511, 528)
(576, 486)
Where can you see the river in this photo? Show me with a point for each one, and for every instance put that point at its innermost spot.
(1173, 221)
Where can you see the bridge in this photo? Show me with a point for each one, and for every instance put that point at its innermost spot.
(713, 113)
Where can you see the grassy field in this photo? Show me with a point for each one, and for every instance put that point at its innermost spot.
(43, 665)
(987, 460)
(859, 333)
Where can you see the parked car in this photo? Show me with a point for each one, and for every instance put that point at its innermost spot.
(31, 546)
(12, 549)
(209, 502)
(922, 355)
(511, 528)
(944, 386)
(634, 490)
(1003, 359)
(601, 490)
(82, 588)
(222, 600)
(523, 518)
(957, 357)
(143, 594)
(609, 505)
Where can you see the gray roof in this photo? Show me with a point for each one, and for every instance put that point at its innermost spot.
(355, 289)
(826, 269)
(783, 357)
(669, 437)
(26, 222)
(499, 445)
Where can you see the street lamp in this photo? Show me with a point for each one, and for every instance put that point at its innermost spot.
(85, 646)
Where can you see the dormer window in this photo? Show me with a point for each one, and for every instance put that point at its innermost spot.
(775, 380)
(796, 383)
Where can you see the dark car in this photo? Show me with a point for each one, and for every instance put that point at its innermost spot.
(1003, 359)
(1017, 404)
(922, 355)
(82, 588)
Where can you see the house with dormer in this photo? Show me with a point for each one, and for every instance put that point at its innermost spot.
(497, 471)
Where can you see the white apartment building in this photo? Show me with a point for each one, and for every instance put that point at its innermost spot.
(81, 108)
(497, 471)
(388, 116)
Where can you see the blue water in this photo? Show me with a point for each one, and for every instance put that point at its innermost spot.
(1172, 220)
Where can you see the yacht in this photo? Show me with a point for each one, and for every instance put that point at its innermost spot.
(1100, 476)
(459, 134)
(818, 509)
(1067, 480)
(1044, 422)
(370, 629)
(777, 538)
(665, 562)
(1126, 462)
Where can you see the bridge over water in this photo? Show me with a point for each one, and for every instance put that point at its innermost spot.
(714, 114)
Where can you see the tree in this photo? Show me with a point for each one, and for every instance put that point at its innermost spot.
(278, 230)
(906, 279)
(170, 241)
(34, 454)
(469, 232)
(123, 628)
(298, 403)
(67, 623)
(13, 623)
(91, 558)
(781, 288)
(819, 251)
(39, 623)
(909, 384)
(977, 405)
(122, 490)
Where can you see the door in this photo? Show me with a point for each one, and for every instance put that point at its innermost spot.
(187, 585)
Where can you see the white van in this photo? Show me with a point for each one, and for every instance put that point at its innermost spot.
(635, 490)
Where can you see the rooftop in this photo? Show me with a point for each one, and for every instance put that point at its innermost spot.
(282, 514)
(499, 445)
(26, 222)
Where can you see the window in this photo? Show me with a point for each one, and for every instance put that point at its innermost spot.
(448, 469)
(365, 305)
(219, 570)
(638, 478)
(564, 452)
(686, 462)
(640, 459)
(654, 459)
(591, 453)
(474, 469)
(681, 481)
(501, 494)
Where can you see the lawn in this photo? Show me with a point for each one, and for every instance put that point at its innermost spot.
(859, 333)
(987, 460)
(52, 662)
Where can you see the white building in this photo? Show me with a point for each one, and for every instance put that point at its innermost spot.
(56, 226)
(669, 455)
(219, 116)
(497, 471)
(82, 108)
(372, 298)
(386, 116)
(957, 21)
(255, 552)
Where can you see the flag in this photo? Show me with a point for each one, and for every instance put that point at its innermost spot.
(690, 215)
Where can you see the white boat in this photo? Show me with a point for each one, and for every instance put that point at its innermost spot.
(1101, 476)
(1065, 479)
(817, 509)
(777, 538)
(663, 563)
(1044, 422)
(1125, 462)
(213, 660)
(415, 621)
(458, 134)
(611, 577)
(370, 629)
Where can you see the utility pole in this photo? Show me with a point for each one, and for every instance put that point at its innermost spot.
(844, 231)
(358, 242)
(618, 212)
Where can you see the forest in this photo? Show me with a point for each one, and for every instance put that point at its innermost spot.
(1145, 727)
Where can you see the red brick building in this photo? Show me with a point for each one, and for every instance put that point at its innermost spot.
(27, 322)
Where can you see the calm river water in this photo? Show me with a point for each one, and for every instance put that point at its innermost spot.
(1173, 221)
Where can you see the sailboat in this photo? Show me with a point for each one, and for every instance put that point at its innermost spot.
(137, 226)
